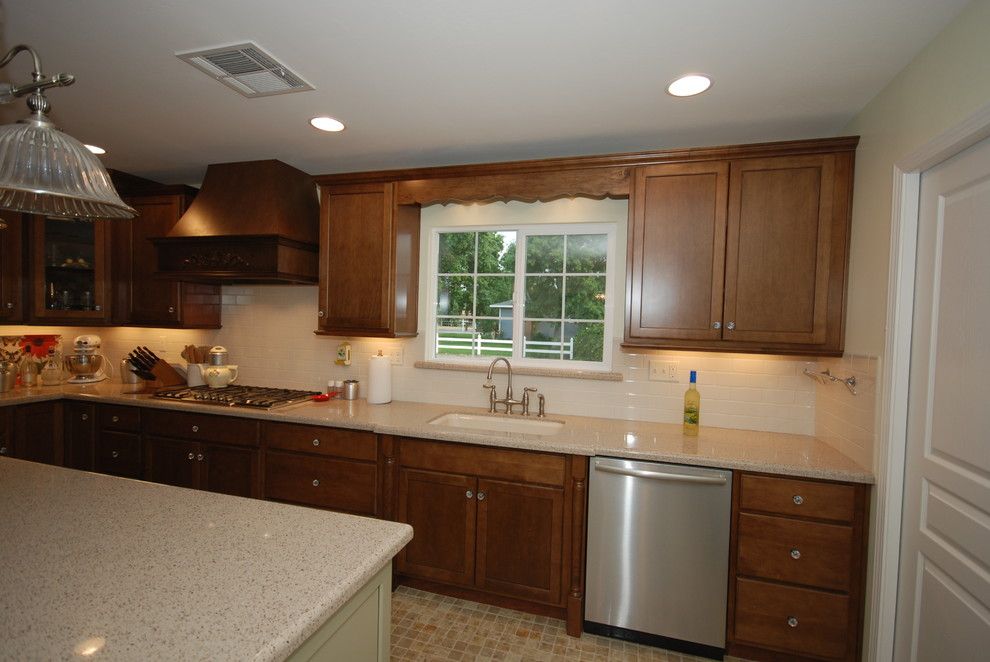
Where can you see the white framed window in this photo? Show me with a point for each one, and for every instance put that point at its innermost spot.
(537, 294)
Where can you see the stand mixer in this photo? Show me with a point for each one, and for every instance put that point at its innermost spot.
(85, 363)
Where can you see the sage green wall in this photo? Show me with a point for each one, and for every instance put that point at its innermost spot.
(948, 81)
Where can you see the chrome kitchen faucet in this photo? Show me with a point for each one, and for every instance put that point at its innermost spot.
(508, 400)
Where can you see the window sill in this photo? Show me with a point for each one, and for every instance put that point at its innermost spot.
(525, 370)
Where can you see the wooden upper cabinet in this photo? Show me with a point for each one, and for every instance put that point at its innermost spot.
(69, 273)
(141, 298)
(778, 249)
(676, 260)
(369, 262)
(743, 255)
(11, 260)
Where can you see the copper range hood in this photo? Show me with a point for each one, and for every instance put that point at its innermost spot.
(252, 222)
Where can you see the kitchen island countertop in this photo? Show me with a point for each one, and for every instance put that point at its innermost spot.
(92, 564)
(750, 450)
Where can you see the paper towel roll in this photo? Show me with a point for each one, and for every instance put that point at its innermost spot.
(380, 380)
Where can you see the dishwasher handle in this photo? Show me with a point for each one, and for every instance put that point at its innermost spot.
(660, 475)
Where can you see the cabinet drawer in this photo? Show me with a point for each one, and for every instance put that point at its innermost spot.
(800, 498)
(352, 444)
(793, 620)
(788, 550)
(504, 463)
(119, 453)
(321, 481)
(200, 427)
(113, 417)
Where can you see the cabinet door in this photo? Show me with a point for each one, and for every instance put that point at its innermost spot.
(153, 300)
(119, 454)
(80, 435)
(228, 470)
(173, 462)
(11, 259)
(520, 529)
(6, 425)
(69, 275)
(441, 508)
(778, 249)
(676, 257)
(37, 434)
(357, 240)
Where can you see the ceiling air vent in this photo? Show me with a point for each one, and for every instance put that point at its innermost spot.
(247, 69)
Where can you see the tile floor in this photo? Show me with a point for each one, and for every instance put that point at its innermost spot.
(426, 626)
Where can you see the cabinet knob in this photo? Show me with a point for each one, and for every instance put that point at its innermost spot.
(481, 496)
(316, 442)
(716, 325)
(171, 309)
(191, 456)
(469, 494)
(795, 554)
(3, 450)
(115, 419)
(316, 482)
(731, 326)
(322, 314)
(199, 458)
(195, 428)
(85, 417)
(10, 305)
(97, 308)
(797, 499)
(114, 454)
(792, 622)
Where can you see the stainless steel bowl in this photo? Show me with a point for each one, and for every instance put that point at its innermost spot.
(84, 364)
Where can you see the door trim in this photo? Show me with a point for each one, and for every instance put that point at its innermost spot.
(891, 451)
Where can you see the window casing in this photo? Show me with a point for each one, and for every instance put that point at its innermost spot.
(538, 294)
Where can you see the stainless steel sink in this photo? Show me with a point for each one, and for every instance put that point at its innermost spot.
(496, 423)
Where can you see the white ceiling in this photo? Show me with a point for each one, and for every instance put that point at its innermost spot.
(457, 81)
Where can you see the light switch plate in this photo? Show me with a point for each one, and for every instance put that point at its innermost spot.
(397, 355)
(663, 371)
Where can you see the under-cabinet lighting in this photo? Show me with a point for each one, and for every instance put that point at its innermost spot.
(327, 124)
(689, 85)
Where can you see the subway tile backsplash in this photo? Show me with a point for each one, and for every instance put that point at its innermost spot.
(269, 332)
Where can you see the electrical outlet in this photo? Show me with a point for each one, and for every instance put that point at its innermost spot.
(663, 371)
(397, 355)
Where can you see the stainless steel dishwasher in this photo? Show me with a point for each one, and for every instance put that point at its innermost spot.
(658, 554)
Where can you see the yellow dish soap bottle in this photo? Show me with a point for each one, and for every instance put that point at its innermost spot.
(692, 407)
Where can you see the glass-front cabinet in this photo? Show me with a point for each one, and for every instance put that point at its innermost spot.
(70, 279)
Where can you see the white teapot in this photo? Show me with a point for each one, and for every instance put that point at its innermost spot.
(219, 376)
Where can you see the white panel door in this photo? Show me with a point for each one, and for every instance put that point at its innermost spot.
(943, 600)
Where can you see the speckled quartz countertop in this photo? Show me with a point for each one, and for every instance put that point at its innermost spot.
(140, 571)
(770, 452)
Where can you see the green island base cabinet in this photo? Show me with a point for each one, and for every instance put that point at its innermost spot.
(497, 525)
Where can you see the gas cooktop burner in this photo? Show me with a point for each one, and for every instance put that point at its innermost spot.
(257, 397)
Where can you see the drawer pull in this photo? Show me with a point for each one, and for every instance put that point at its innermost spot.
(316, 482)
(192, 456)
(795, 554)
(195, 428)
(792, 622)
(797, 499)
(469, 494)
(481, 496)
(3, 450)
(115, 419)
(199, 458)
(114, 454)
(316, 442)
(85, 417)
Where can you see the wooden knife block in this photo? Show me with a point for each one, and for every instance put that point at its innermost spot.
(165, 376)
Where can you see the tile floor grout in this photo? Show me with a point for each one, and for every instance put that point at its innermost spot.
(427, 627)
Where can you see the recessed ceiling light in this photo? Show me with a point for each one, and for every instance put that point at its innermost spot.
(327, 124)
(96, 150)
(689, 85)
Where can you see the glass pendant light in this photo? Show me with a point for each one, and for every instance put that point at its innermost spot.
(44, 171)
